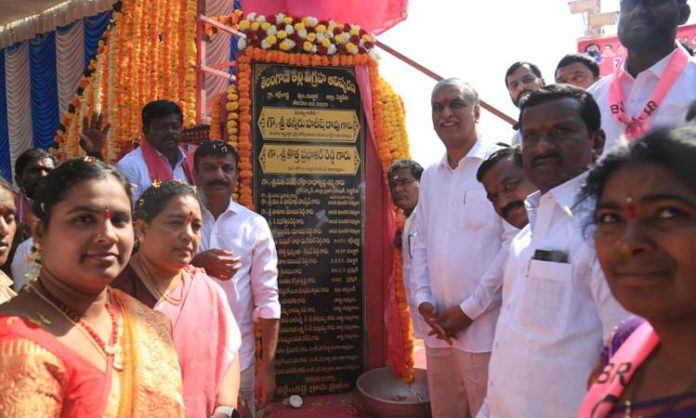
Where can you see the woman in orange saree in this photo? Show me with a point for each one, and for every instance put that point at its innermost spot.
(168, 225)
(70, 346)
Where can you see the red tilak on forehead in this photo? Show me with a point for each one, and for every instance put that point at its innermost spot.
(220, 163)
(107, 214)
(2, 210)
(444, 102)
(189, 218)
(631, 209)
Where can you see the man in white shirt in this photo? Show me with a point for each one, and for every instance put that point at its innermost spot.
(655, 85)
(253, 290)
(456, 268)
(521, 78)
(557, 308)
(404, 180)
(162, 129)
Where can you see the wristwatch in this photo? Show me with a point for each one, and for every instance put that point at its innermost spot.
(228, 411)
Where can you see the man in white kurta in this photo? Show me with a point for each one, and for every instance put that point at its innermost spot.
(656, 83)
(457, 270)
(557, 309)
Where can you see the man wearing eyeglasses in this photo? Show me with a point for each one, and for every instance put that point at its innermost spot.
(656, 83)
(521, 78)
(404, 181)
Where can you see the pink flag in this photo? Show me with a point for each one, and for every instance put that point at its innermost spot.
(373, 16)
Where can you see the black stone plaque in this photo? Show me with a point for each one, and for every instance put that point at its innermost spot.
(308, 141)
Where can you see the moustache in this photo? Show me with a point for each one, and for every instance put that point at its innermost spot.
(555, 156)
(218, 183)
(510, 206)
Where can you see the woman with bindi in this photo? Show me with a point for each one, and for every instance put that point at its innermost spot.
(168, 224)
(645, 233)
(70, 345)
(8, 228)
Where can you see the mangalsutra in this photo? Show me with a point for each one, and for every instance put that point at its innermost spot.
(154, 289)
(105, 350)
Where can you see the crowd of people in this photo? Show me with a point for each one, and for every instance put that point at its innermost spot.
(551, 278)
(547, 278)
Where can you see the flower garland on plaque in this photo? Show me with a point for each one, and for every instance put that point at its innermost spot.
(308, 41)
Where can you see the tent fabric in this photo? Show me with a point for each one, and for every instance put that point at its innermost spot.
(5, 162)
(39, 79)
(382, 16)
(70, 47)
(44, 89)
(18, 97)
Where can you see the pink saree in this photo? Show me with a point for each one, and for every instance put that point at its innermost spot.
(205, 333)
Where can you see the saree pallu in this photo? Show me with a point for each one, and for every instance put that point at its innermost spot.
(206, 335)
(40, 376)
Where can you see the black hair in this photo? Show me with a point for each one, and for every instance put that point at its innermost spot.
(691, 112)
(216, 149)
(514, 152)
(415, 168)
(589, 111)
(30, 155)
(153, 201)
(671, 147)
(52, 189)
(159, 109)
(535, 70)
(583, 59)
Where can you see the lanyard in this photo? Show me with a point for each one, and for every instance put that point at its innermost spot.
(637, 126)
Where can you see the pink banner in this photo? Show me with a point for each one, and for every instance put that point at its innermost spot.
(373, 16)
(608, 52)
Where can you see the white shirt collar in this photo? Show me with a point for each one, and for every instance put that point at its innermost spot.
(659, 67)
(478, 150)
(565, 195)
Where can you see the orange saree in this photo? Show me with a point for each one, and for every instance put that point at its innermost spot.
(40, 376)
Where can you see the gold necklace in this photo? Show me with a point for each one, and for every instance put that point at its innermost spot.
(109, 350)
(150, 284)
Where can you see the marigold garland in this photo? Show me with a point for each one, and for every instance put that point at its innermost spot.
(215, 122)
(139, 59)
(390, 134)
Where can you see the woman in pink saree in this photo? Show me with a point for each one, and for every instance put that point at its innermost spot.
(168, 222)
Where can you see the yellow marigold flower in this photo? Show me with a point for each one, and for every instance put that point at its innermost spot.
(307, 46)
(265, 25)
(281, 34)
(299, 26)
(254, 26)
(351, 48)
(321, 28)
(311, 37)
(244, 24)
(271, 40)
(287, 20)
(286, 45)
(326, 42)
(366, 38)
(354, 30)
(339, 38)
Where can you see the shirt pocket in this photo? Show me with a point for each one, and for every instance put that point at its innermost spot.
(478, 211)
(544, 303)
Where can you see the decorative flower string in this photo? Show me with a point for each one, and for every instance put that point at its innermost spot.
(140, 58)
(215, 122)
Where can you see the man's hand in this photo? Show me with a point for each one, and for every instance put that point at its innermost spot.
(454, 321)
(220, 264)
(93, 135)
(265, 385)
(429, 314)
